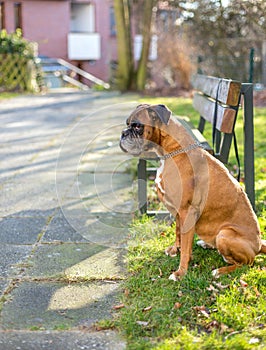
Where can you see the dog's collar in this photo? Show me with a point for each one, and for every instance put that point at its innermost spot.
(182, 150)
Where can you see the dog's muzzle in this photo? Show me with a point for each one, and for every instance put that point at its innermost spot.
(130, 142)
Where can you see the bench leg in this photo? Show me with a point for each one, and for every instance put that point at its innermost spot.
(247, 91)
(142, 186)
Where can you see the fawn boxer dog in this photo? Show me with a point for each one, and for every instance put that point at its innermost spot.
(197, 190)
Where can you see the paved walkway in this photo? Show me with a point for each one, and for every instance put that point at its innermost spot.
(66, 201)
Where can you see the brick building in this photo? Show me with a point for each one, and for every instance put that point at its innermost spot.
(79, 31)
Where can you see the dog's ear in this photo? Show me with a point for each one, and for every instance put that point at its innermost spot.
(162, 112)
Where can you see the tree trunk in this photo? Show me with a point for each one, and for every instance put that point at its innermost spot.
(146, 39)
(123, 32)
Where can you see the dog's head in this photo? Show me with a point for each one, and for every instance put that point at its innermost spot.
(144, 128)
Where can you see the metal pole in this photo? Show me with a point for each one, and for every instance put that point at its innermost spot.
(142, 185)
(247, 91)
(251, 65)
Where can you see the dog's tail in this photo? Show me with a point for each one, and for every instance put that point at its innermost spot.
(263, 247)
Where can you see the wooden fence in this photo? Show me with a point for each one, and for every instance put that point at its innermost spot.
(17, 73)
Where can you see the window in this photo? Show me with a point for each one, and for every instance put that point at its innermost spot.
(2, 15)
(17, 15)
(82, 18)
(112, 22)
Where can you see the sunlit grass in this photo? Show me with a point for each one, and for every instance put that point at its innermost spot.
(196, 312)
(5, 95)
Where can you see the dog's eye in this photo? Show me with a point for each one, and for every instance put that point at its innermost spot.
(137, 127)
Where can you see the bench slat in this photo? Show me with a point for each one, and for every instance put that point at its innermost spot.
(225, 115)
(229, 90)
(195, 133)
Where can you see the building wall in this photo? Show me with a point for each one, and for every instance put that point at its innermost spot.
(101, 68)
(47, 22)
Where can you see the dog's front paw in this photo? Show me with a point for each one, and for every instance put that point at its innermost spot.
(176, 276)
(173, 277)
(171, 251)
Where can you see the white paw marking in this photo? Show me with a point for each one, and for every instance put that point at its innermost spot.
(167, 253)
(204, 245)
(228, 262)
(173, 277)
(215, 273)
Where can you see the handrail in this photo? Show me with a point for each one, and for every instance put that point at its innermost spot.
(84, 74)
(75, 82)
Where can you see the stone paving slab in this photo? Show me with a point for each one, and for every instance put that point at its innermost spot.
(74, 261)
(40, 190)
(57, 305)
(66, 202)
(59, 230)
(11, 256)
(4, 282)
(108, 229)
(21, 230)
(72, 340)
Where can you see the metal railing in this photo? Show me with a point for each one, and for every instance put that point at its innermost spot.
(65, 70)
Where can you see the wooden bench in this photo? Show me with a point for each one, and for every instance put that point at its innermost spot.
(217, 101)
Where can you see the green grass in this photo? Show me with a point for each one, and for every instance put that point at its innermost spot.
(5, 95)
(198, 312)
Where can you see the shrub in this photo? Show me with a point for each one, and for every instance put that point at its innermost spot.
(18, 69)
(14, 43)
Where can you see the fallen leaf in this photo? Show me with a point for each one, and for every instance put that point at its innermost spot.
(199, 308)
(203, 310)
(204, 313)
(223, 328)
(142, 323)
(126, 292)
(180, 293)
(148, 308)
(256, 291)
(220, 285)
(177, 305)
(243, 283)
(211, 288)
(254, 341)
(119, 306)
(213, 325)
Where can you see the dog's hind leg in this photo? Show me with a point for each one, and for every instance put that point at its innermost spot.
(263, 247)
(235, 250)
